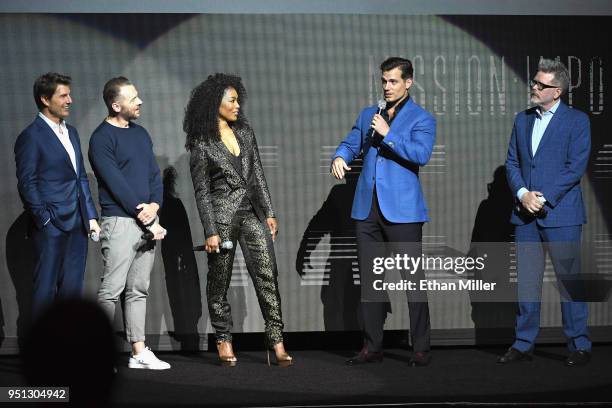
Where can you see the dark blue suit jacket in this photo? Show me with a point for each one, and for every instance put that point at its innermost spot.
(47, 182)
(557, 167)
(410, 140)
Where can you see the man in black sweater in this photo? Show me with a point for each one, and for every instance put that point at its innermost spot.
(130, 190)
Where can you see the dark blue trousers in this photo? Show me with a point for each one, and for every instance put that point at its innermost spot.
(563, 246)
(60, 265)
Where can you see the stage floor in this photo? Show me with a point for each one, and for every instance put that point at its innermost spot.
(319, 378)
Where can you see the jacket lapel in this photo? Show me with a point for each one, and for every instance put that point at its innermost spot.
(223, 155)
(55, 142)
(404, 112)
(77, 149)
(244, 152)
(531, 116)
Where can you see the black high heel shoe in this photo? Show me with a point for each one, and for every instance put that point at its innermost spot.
(283, 359)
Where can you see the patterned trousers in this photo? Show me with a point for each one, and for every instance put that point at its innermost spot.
(256, 245)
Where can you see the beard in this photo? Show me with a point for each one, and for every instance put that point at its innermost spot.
(130, 115)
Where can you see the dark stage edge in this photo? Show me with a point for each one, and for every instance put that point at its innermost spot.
(460, 376)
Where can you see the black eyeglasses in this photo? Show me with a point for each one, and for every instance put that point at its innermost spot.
(539, 85)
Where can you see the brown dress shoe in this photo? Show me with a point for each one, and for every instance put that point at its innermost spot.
(420, 359)
(365, 357)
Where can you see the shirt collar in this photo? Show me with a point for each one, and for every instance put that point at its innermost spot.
(551, 110)
(398, 107)
(51, 123)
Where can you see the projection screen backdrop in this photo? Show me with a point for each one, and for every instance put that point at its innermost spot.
(308, 76)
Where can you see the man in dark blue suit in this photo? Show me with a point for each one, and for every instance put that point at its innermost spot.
(547, 156)
(389, 206)
(53, 186)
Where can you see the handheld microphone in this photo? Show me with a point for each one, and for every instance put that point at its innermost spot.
(541, 214)
(148, 235)
(224, 245)
(382, 104)
(94, 236)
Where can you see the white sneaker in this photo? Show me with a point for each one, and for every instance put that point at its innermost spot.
(146, 359)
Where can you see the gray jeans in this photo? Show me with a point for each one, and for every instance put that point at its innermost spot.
(128, 261)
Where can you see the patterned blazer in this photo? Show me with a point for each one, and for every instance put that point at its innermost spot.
(220, 187)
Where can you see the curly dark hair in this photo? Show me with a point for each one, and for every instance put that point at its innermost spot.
(201, 122)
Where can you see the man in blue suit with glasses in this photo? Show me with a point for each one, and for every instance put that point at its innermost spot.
(547, 157)
(54, 188)
(389, 207)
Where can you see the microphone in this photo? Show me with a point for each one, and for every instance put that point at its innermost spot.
(541, 214)
(95, 237)
(148, 235)
(224, 245)
(382, 104)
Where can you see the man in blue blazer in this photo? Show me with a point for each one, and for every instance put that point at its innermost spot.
(389, 206)
(53, 186)
(547, 156)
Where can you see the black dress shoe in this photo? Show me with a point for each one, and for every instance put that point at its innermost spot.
(419, 359)
(578, 358)
(365, 357)
(513, 355)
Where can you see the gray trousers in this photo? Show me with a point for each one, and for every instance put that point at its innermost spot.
(128, 261)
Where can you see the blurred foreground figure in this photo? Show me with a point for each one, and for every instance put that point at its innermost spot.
(72, 345)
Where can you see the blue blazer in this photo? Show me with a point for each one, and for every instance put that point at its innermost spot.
(46, 180)
(410, 140)
(557, 167)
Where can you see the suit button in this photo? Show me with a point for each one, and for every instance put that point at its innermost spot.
(533, 166)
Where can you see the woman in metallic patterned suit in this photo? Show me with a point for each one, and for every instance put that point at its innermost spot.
(234, 205)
